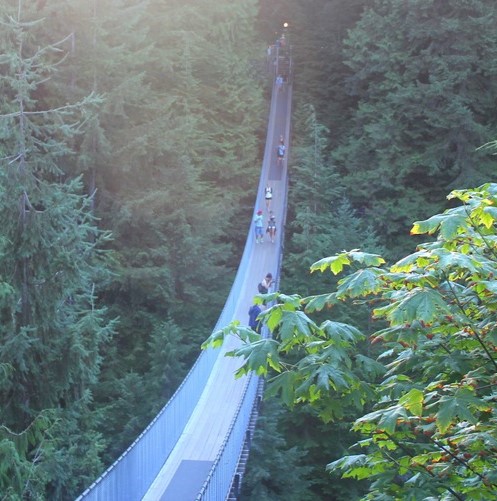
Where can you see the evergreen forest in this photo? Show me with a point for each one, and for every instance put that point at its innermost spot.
(131, 138)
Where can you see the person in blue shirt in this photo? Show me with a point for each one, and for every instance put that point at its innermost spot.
(254, 312)
(280, 152)
(259, 227)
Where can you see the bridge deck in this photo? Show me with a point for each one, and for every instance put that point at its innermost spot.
(186, 468)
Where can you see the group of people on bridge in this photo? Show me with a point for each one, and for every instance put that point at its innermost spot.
(271, 219)
(278, 61)
(259, 227)
(278, 55)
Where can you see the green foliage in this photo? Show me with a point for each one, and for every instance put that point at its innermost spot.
(19, 454)
(129, 399)
(154, 111)
(326, 364)
(316, 32)
(429, 430)
(51, 323)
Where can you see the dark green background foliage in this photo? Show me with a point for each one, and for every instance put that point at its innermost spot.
(139, 121)
(130, 139)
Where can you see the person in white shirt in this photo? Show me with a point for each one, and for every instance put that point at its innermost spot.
(268, 195)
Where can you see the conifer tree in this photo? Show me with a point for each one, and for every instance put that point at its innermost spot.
(424, 77)
(164, 152)
(321, 220)
(51, 325)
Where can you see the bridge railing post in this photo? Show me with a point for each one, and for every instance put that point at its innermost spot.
(236, 485)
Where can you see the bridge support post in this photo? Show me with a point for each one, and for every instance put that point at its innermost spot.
(236, 485)
(248, 438)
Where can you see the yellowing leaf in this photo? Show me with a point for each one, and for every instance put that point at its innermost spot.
(366, 258)
(486, 218)
(429, 226)
(413, 401)
(317, 303)
(334, 263)
(410, 262)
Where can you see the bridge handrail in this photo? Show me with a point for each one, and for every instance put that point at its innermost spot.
(219, 480)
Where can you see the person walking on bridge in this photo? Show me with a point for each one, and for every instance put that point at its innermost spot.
(271, 227)
(268, 195)
(259, 227)
(280, 151)
(254, 311)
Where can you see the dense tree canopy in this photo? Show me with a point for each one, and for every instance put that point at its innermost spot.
(402, 91)
(51, 327)
(144, 120)
(129, 119)
(425, 87)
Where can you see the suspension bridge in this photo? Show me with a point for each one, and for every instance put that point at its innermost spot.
(195, 448)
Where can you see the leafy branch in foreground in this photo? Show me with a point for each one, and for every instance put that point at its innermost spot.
(429, 429)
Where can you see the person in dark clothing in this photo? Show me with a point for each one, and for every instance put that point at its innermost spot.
(254, 312)
(266, 283)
